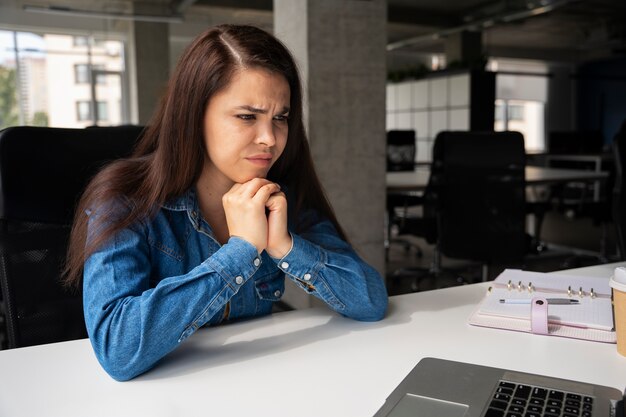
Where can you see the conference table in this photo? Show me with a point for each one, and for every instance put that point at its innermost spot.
(416, 181)
(309, 362)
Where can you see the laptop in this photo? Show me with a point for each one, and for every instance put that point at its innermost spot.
(442, 388)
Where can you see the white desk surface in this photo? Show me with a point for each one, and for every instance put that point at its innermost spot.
(418, 179)
(301, 363)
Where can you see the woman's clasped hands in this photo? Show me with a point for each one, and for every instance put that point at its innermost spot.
(256, 211)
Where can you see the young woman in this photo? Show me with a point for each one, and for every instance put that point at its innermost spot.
(217, 205)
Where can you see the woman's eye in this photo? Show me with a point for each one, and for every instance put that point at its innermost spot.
(246, 116)
(281, 118)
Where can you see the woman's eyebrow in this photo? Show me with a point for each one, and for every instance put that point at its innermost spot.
(257, 110)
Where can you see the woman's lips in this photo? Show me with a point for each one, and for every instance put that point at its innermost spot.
(260, 160)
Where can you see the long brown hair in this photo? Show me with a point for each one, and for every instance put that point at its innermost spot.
(170, 154)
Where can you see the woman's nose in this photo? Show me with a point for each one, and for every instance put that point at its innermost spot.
(266, 135)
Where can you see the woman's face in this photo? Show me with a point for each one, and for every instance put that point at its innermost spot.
(245, 127)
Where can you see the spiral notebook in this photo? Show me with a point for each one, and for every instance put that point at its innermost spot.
(590, 318)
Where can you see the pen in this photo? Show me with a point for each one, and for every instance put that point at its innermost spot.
(527, 301)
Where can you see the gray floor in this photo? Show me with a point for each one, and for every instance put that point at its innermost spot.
(571, 243)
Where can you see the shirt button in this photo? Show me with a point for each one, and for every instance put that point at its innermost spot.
(307, 277)
(238, 280)
(257, 262)
(285, 265)
(277, 293)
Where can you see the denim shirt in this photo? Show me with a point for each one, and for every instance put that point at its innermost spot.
(153, 284)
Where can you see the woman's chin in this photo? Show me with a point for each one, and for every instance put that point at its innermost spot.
(245, 178)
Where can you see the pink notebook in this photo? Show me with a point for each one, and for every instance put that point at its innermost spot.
(591, 318)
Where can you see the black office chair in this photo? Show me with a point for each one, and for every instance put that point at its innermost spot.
(401, 151)
(619, 190)
(474, 203)
(43, 172)
(481, 212)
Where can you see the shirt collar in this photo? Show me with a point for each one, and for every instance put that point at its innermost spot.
(185, 202)
(188, 202)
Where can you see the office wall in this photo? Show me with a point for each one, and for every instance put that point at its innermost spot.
(561, 102)
(601, 90)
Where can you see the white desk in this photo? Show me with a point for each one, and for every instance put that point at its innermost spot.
(418, 179)
(302, 363)
(596, 160)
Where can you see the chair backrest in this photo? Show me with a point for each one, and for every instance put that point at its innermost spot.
(401, 150)
(619, 190)
(479, 183)
(43, 172)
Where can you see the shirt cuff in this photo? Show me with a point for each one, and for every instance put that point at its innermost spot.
(236, 262)
(302, 262)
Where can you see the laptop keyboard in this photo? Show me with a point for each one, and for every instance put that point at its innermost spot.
(517, 400)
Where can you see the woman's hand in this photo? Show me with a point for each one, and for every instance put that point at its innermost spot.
(278, 237)
(244, 206)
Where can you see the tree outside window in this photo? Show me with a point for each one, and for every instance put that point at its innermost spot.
(9, 112)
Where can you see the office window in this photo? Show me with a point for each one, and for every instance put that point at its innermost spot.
(500, 115)
(44, 76)
(508, 111)
(516, 112)
(521, 97)
(524, 116)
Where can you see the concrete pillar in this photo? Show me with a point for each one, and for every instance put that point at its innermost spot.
(149, 63)
(340, 49)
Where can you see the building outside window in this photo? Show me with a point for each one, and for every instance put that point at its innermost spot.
(103, 111)
(46, 80)
(81, 73)
(80, 41)
(83, 111)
